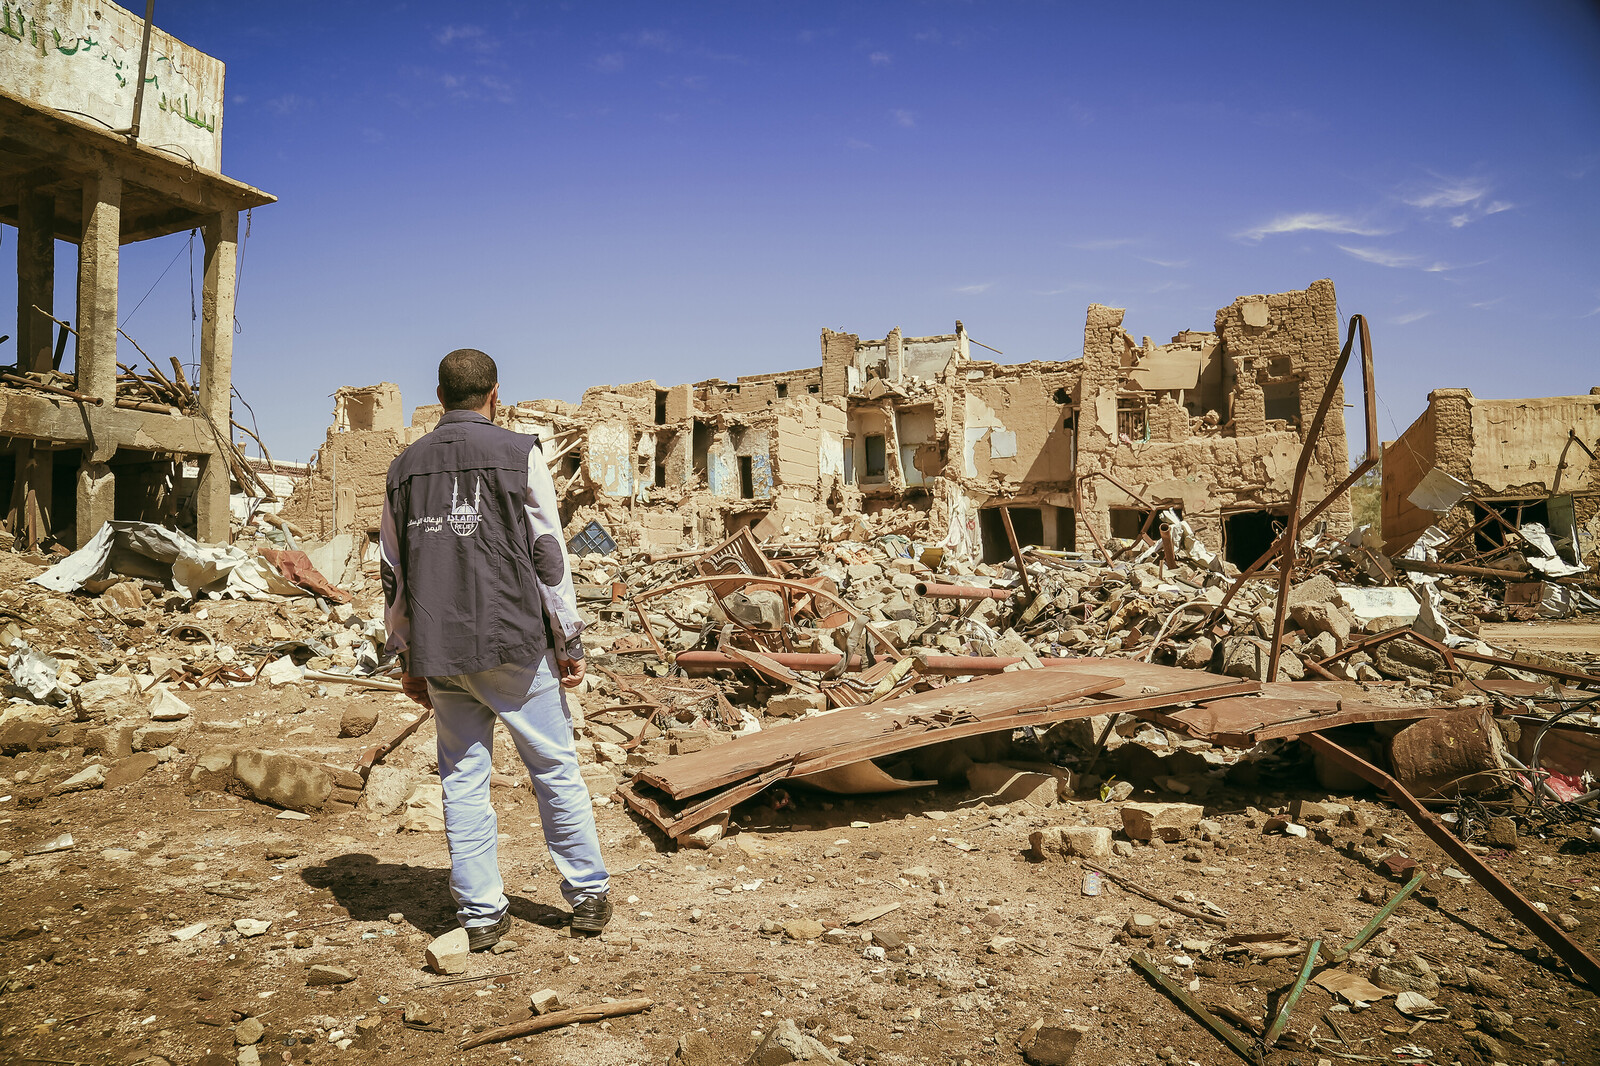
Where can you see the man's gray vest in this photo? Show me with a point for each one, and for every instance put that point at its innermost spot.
(466, 548)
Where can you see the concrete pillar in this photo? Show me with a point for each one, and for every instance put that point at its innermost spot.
(216, 370)
(36, 279)
(98, 261)
(97, 499)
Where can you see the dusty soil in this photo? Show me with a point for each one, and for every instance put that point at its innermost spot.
(982, 944)
(92, 974)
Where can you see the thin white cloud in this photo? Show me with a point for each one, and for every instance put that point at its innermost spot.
(1313, 222)
(974, 290)
(610, 62)
(1463, 200)
(902, 117)
(1380, 256)
(1170, 264)
(858, 145)
(880, 59)
(1410, 317)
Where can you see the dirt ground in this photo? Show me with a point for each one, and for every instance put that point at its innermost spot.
(983, 942)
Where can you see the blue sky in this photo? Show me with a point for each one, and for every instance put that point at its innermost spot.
(600, 193)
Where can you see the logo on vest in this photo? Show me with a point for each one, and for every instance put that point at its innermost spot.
(464, 517)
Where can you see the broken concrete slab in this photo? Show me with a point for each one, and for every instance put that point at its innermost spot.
(282, 780)
(1169, 821)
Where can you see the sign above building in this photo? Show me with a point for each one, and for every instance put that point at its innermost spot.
(81, 57)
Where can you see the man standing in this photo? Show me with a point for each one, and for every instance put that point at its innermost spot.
(479, 605)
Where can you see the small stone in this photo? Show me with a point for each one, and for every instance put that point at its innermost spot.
(188, 932)
(1309, 811)
(357, 722)
(503, 946)
(90, 777)
(248, 1031)
(1118, 791)
(1122, 849)
(448, 954)
(328, 975)
(396, 917)
(1142, 925)
(248, 1056)
(802, 929)
(165, 707)
(421, 1017)
(1568, 921)
(545, 1000)
(248, 927)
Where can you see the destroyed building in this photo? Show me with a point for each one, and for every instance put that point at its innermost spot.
(110, 133)
(1079, 450)
(1514, 462)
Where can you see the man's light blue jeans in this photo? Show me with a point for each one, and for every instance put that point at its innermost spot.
(531, 702)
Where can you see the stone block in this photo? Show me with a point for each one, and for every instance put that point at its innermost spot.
(213, 770)
(159, 735)
(1169, 821)
(448, 954)
(1319, 589)
(1070, 841)
(1321, 617)
(114, 741)
(286, 781)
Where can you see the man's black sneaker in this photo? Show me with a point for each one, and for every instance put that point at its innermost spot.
(591, 914)
(484, 937)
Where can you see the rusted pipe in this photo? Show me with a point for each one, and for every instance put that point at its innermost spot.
(1290, 541)
(700, 663)
(962, 592)
(1422, 566)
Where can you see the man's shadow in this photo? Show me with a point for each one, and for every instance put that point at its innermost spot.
(370, 891)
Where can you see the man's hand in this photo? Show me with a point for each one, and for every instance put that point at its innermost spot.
(417, 689)
(571, 672)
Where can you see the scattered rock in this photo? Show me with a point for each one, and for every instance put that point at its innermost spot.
(802, 929)
(357, 722)
(785, 1043)
(249, 927)
(1169, 821)
(286, 781)
(89, 777)
(1142, 925)
(1069, 841)
(796, 704)
(1051, 1045)
(545, 1000)
(249, 1031)
(387, 789)
(1411, 974)
(165, 707)
(448, 954)
(327, 975)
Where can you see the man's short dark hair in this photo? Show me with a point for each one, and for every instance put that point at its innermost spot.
(465, 377)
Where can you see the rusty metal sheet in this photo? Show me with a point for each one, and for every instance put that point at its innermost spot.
(1244, 721)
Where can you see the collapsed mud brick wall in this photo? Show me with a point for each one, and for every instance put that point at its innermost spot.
(1530, 458)
(1209, 424)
